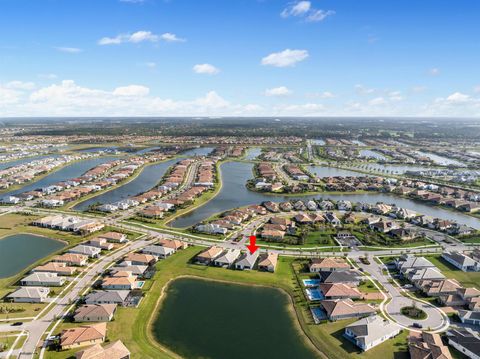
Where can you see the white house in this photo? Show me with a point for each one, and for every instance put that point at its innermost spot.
(43, 279)
(29, 295)
(371, 331)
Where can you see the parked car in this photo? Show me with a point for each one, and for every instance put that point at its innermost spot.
(417, 325)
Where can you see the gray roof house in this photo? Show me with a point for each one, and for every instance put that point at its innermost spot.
(465, 341)
(348, 276)
(227, 258)
(247, 261)
(461, 261)
(107, 297)
(416, 275)
(95, 313)
(43, 279)
(158, 251)
(137, 270)
(469, 317)
(409, 261)
(29, 295)
(369, 332)
(91, 252)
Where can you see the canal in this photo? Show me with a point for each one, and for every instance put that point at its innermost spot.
(235, 194)
(68, 172)
(147, 179)
(19, 251)
(207, 319)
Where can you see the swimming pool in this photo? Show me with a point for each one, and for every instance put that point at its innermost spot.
(311, 282)
(140, 284)
(318, 314)
(314, 294)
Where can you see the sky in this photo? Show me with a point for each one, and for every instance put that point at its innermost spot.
(239, 58)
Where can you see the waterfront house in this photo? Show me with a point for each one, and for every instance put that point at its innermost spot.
(158, 251)
(328, 264)
(83, 335)
(54, 267)
(268, 262)
(115, 350)
(95, 313)
(227, 258)
(29, 295)
(371, 331)
(208, 255)
(247, 261)
(72, 259)
(89, 251)
(107, 297)
(338, 309)
(339, 291)
(43, 279)
(466, 341)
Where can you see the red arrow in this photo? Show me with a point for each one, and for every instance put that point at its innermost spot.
(252, 247)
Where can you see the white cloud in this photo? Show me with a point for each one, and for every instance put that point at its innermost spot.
(458, 97)
(139, 36)
(362, 90)
(205, 69)
(305, 10)
(395, 96)
(69, 50)
(169, 37)
(434, 71)
(319, 15)
(285, 58)
(8, 96)
(377, 101)
(20, 85)
(476, 89)
(131, 90)
(297, 9)
(48, 76)
(278, 91)
(324, 95)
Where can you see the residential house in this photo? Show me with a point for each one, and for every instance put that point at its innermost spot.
(268, 262)
(54, 267)
(119, 281)
(469, 317)
(107, 297)
(95, 313)
(425, 345)
(211, 228)
(140, 259)
(158, 251)
(371, 331)
(72, 259)
(29, 295)
(83, 335)
(328, 264)
(439, 287)
(461, 261)
(89, 251)
(338, 309)
(227, 258)
(247, 261)
(43, 279)
(466, 341)
(349, 277)
(208, 255)
(101, 243)
(339, 291)
(114, 237)
(115, 350)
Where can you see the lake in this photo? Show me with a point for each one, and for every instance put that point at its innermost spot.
(234, 193)
(19, 251)
(199, 151)
(70, 171)
(207, 319)
(253, 153)
(440, 160)
(147, 179)
(372, 154)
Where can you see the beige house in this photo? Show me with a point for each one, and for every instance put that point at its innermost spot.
(72, 259)
(83, 335)
(268, 262)
(114, 237)
(95, 313)
(55, 267)
(328, 264)
(209, 255)
(116, 350)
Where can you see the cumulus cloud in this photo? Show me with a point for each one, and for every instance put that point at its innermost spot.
(363, 90)
(323, 95)
(20, 85)
(139, 36)
(304, 9)
(285, 58)
(278, 91)
(69, 50)
(207, 69)
(131, 90)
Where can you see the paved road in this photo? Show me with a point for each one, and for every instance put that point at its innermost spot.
(38, 327)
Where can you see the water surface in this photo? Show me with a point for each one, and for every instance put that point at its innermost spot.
(206, 319)
(19, 251)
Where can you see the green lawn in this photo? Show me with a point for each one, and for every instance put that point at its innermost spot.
(132, 325)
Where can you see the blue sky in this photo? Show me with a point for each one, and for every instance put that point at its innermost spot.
(239, 57)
